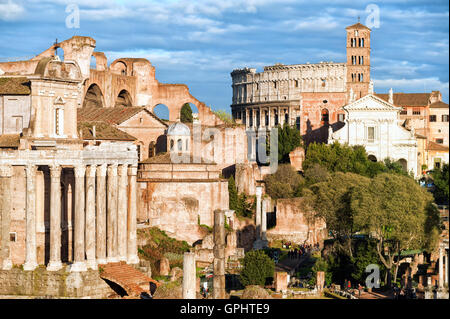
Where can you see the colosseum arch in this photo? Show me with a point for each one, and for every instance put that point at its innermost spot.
(119, 67)
(123, 99)
(193, 107)
(93, 97)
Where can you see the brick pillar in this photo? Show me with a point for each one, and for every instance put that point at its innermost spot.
(5, 216)
(80, 215)
(219, 255)
(189, 276)
(101, 214)
(55, 219)
(90, 216)
(111, 227)
(30, 237)
(122, 205)
(132, 216)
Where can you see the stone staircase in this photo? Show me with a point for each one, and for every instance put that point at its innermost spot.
(129, 278)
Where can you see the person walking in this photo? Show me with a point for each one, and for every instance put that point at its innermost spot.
(360, 288)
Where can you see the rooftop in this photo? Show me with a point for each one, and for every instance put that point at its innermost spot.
(113, 115)
(439, 105)
(15, 86)
(103, 131)
(408, 99)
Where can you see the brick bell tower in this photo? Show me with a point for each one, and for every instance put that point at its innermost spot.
(358, 59)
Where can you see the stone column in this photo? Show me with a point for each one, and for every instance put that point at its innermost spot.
(247, 120)
(79, 247)
(122, 207)
(90, 216)
(55, 219)
(30, 253)
(441, 270)
(270, 119)
(258, 212)
(219, 255)
(5, 215)
(111, 229)
(265, 204)
(132, 216)
(101, 214)
(446, 269)
(189, 276)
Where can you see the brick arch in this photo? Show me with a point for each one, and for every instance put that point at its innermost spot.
(123, 99)
(93, 96)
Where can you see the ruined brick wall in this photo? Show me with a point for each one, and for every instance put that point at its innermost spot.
(177, 206)
(41, 283)
(292, 223)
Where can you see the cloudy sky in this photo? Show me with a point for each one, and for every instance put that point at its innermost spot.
(200, 42)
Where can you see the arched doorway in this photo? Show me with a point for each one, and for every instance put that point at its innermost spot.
(372, 158)
(162, 111)
(93, 97)
(325, 117)
(403, 163)
(123, 99)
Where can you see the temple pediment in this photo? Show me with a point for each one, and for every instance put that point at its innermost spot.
(371, 102)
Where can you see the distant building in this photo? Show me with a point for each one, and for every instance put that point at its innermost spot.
(375, 124)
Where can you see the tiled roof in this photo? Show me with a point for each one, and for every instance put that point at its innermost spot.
(113, 115)
(103, 131)
(164, 158)
(357, 26)
(439, 105)
(15, 86)
(10, 140)
(432, 146)
(408, 99)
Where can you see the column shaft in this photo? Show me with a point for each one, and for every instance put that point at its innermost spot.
(101, 214)
(189, 276)
(122, 213)
(258, 212)
(111, 230)
(30, 253)
(132, 217)
(90, 216)
(5, 216)
(265, 205)
(55, 219)
(441, 270)
(79, 234)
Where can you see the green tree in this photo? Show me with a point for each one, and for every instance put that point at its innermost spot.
(365, 254)
(441, 180)
(186, 114)
(288, 139)
(331, 200)
(233, 194)
(399, 214)
(257, 267)
(224, 116)
(316, 174)
(286, 182)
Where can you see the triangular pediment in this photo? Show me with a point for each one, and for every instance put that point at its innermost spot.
(371, 102)
(59, 101)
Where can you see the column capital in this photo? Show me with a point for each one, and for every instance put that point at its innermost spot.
(91, 170)
(80, 170)
(101, 170)
(5, 170)
(55, 171)
(30, 169)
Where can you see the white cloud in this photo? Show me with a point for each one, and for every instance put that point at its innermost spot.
(311, 23)
(10, 10)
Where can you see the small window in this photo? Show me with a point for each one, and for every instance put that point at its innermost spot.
(432, 118)
(371, 134)
(341, 117)
(403, 112)
(180, 145)
(171, 145)
(440, 141)
(445, 118)
(416, 111)
(13, 237)
(296, 83)
(356, 33)
(275, 85)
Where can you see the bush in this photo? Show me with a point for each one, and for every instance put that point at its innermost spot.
(257, 267)
(286, 182)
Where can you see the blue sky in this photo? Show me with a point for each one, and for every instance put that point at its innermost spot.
(200, 42)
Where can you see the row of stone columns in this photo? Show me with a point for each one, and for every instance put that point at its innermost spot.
(262, 117)
(443, 259)
(105, 216)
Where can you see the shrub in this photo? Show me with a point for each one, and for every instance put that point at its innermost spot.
(286, 182)
(257, 267)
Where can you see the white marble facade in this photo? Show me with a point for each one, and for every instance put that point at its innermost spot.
(375, 124)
